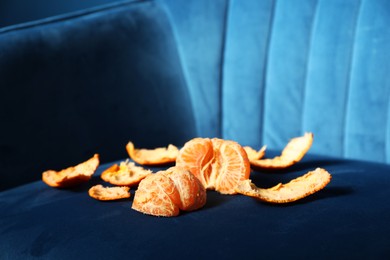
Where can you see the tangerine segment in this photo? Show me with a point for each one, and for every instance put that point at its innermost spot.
(125, 174)
(253, 154)
(296, 189)
(192, 192)
(73, 175)
(293, 152)
(218, 164)
(109, 193)
(157, 195)
(197, 156)
(157, 156)
(231, 166)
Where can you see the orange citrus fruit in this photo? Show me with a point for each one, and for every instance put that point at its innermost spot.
(167, 192)
(157, 195)
(192, 192)
(219, 164)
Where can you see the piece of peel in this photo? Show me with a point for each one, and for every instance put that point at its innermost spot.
(125, 174)
(296, 189)
(157, 156)
(293, 152)
(109, 193)
(72, 176)
(253, 154)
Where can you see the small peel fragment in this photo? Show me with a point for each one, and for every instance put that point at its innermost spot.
(157, 156)
(253, 154)
(109, 193)
(296, 189)
(125, 174)
(292, 153)
(72, 176)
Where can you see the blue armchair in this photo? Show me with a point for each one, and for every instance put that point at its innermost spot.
(165, 71)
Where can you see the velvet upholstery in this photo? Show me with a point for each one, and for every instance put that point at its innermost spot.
(347, 220)
(78, 85)
(328, 57)
(164, 71)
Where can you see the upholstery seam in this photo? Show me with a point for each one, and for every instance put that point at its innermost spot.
(387, 132)
(265, 72)
(186, 74)
(348, 83)
(224, 36)
(68, 16)
(308, 61)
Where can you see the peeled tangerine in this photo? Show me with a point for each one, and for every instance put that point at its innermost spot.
(219, 164)
(165, 193)
(72, 176)
(223, 165)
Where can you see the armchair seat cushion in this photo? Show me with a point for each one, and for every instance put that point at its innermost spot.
(348, 219)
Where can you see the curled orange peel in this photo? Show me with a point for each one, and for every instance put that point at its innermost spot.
(73, 175)
(296, 189)
(157, 156)
(293, 152)
(125, 174)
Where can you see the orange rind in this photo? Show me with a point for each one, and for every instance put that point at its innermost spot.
(125, 174)
(293, 152)
(296, 189)
(157, 156)
(253, 154)
(72, 176)
(109, 193)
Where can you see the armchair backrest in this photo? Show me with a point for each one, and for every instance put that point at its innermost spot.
(262, 72)
(87, 83)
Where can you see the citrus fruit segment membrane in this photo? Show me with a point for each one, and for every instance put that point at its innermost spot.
(296, 189)
(231, 166)
(157, 156)
(292, 153)
(73, 175)
(197, 156)
(125, 174)
(253, 154)
(192, 192)
(109, 193)
(157, 195)
(218, 164)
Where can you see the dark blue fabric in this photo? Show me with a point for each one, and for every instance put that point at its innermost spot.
(20, 11)
(86, 84)
(200, 30)
(349, 219)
